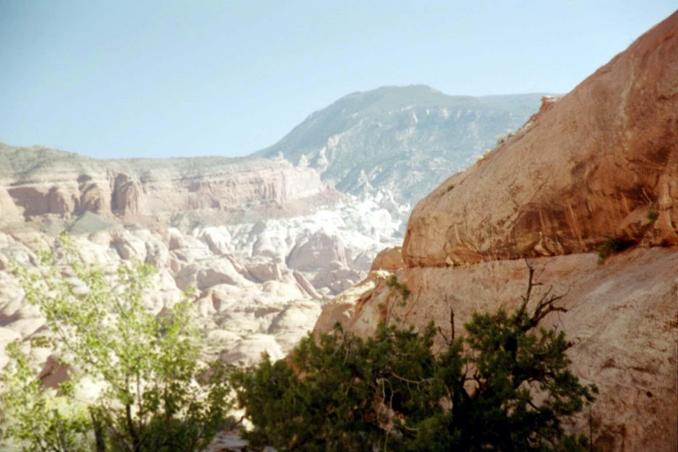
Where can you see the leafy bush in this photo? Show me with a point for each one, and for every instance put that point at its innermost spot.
(505, 385)
(613, 245)
(156, 395)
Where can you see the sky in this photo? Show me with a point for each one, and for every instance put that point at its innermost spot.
(141, 78)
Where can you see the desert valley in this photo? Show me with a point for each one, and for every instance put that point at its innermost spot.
(450, 199)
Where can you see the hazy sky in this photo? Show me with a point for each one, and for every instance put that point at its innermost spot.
(179, 77)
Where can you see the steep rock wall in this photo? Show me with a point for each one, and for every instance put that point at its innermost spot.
(600, 163)
(622, 317)
(69, 185)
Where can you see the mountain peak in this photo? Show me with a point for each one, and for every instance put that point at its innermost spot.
(402, 139)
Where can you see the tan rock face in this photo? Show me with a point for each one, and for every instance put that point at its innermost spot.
(390, 259)
(68, 184)
(598, 165)
(622, 317)
(127, 195)
(601, 162)
(10, 211)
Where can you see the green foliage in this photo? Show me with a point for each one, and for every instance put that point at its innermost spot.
(157, 396)
(402, 288)
(613, 245)
(505, 385)
(652, 216)
(35, 418)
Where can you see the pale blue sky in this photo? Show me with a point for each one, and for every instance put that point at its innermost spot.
(179, 77)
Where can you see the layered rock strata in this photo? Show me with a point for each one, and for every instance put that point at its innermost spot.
(600, 164)
(41, 181)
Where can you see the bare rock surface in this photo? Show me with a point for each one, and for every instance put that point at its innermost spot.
(596, 167)
(622, 317)
(599, 163)
(44, 181)
(256, 286)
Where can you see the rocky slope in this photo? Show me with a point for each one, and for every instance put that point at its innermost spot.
(263, 242)
(402, 140)
(259, 284)
(597, 167)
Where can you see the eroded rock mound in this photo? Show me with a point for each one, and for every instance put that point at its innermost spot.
(599, 164)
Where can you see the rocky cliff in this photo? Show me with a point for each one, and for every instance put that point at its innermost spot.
(262, 242)
(586, 192)
(39, 181)
(600, 163)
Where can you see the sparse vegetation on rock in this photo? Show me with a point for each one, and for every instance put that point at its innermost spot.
(652, 216)
(613, 245)
(505, 385)
(401, 288)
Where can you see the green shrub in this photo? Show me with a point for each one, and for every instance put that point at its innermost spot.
(402, 288)
(503, 386)
(614, 245)
(157, 396)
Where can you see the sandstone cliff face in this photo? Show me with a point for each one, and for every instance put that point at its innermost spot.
(599, 164)
(42, 181)
(595, 165)
(11, 213)
(622, 317)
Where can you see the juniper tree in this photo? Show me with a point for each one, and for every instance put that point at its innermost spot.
(504, 385)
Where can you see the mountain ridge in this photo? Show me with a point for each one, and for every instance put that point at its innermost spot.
(400, 139)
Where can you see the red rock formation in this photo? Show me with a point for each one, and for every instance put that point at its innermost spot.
(127, 195)
(390, 259)
(601, 162)
(67, 184)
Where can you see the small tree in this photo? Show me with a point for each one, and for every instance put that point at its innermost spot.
(505, 385)
(156, 395)
(36, 418)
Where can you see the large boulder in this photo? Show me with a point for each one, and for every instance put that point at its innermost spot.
(318, 252)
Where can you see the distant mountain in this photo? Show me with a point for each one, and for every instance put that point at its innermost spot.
(405, 140)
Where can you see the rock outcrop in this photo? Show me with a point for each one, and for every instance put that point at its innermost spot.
(601, 164)
(256, 287)
(11, 213)
(596, 167)
(42, 181)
